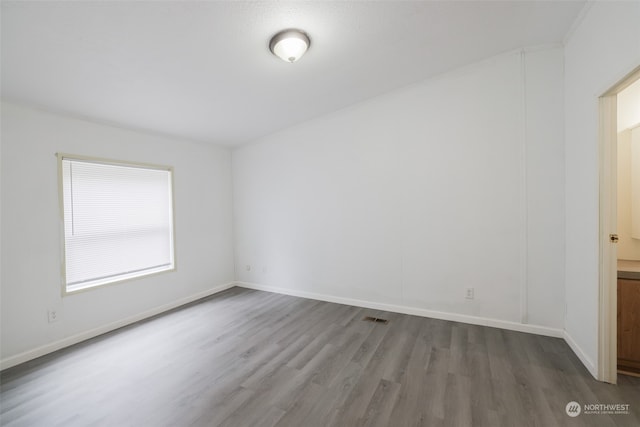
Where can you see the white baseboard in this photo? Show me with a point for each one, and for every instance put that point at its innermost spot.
(74, 339)
(463, 318)
(586, 360)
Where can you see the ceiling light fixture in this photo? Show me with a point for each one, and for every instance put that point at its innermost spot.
(289, 45)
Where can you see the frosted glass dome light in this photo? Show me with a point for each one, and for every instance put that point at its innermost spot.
(289, 45)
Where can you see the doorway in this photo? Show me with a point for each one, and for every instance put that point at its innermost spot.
(608, 304)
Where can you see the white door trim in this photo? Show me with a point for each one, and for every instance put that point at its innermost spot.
(607, 322)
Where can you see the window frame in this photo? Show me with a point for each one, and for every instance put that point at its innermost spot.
(63, 252)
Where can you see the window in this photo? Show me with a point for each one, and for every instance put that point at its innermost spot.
(118, 221)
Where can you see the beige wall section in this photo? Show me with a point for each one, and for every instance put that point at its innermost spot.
(629, 107)
(635, 183)
(628, 247)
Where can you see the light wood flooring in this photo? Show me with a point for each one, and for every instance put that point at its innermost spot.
(249, 358)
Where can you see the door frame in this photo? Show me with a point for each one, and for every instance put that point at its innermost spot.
(608, 277)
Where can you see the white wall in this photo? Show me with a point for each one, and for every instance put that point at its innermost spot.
(604, 47)
(31, 240)
(545, 192)
(411, 197)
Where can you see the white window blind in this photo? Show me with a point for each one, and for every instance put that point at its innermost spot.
(118, 221)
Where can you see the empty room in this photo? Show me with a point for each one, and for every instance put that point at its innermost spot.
(320, 213)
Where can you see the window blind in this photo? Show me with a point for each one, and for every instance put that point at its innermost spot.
(118, 221)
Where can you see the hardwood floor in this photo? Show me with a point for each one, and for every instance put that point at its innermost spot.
(250, 358)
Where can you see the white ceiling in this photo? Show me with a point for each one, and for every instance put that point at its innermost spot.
(203, 70)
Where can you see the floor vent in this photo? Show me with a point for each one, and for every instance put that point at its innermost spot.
(376, 319)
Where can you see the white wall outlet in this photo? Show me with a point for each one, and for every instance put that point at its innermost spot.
(248, 267)
(53, 315)
(469, 293)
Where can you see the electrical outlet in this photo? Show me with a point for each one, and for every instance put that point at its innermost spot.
(248, 267)
(469, 293)
(53, 315)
